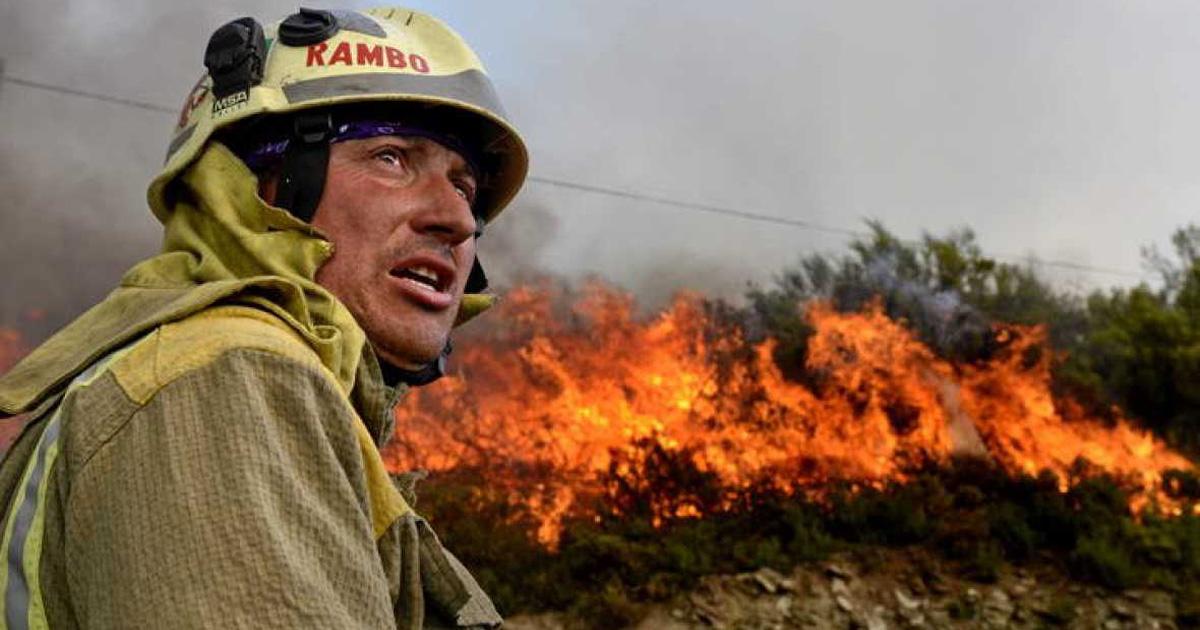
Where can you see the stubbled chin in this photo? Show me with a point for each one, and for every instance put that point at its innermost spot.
(410, 344)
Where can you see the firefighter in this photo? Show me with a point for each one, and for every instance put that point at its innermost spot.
(202, 447)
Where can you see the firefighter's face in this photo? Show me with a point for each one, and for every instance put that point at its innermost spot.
(398, 212)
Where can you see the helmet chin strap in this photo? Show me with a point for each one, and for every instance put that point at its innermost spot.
(301, 182)
(393, 375)
(305, 163)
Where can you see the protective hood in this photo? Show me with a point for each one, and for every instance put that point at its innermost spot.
(224, 244)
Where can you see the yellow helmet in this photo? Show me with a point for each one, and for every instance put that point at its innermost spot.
(317, 61)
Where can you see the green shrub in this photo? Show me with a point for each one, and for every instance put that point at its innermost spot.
(1185, 531)
(968, 511)
(1009, 524)
(1155, 542)
(895, 516)
(1098, 559)
(807, 539)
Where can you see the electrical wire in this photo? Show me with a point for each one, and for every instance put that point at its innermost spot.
(615, 192)
(807, 225)
(92, 95)
(699, 207)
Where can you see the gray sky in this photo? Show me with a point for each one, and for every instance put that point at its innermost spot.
(1067, 130)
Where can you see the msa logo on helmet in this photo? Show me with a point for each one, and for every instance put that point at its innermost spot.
(224, 104)
(364, 55)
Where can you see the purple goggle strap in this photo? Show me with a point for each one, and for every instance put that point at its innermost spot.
(270, 153)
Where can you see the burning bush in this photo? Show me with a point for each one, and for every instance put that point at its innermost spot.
(560, 410)
(1134, 349)
(902, 395)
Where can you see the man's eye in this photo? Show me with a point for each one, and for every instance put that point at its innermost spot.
(393, 157)
(465, 190)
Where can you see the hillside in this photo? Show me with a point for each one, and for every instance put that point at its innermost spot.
(876, 589)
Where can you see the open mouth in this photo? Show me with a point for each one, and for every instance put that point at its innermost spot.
(423, 277)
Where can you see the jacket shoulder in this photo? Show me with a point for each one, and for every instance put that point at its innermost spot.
(174, 349)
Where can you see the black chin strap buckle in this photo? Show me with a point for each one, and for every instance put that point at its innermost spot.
(313, 128)
(477, 282)
(423, 376)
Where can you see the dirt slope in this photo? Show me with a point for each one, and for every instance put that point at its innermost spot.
(896, 589)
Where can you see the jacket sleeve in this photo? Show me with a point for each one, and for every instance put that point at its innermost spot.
(234, 499)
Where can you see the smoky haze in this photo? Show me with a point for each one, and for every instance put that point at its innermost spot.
(1057, 130)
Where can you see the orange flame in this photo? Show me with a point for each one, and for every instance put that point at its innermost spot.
(554, 401)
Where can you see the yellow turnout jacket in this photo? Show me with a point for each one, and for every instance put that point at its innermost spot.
(201, 448)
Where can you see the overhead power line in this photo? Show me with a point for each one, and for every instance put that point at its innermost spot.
(92, 95)
(699, 207)
(808, 225)
(610, 192)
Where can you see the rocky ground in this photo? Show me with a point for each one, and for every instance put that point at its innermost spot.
(896, 589)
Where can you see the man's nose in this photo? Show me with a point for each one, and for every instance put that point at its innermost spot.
(444, 212)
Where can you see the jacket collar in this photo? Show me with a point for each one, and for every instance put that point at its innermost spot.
(375, 399)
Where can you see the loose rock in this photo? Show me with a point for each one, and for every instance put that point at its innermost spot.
(838, 571)
(997, 609)
(1159, 604)
(768, 580)
(906, 602)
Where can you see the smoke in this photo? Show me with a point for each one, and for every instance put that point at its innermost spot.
(656, 283)
(887, 273)
(512, 246)
(73, 171)
(71, 223)
(1044, 126)
(952, 327)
